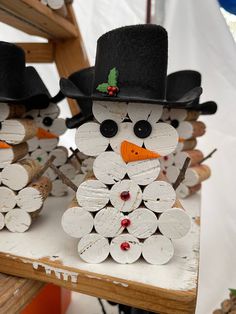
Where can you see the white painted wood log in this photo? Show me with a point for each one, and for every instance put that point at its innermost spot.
(33, 144)
(167, 161)
(7, 199)
(68, 170)
(143, 223)
(58, 188)
(17, 220)
(87, 165)
(126, 195)
(141, 111)
(51, 174)
(107, 110)
(157, 250)
(190, 129)
(51, 111)
(58, 127)
(159, 196)
(184, 191)
(33, 196)
(172, 173)
(31, 114)
(196, 175)
(109, 168)
(58, 6)
(79, 178)
(186, 145)
(93, 248)
(125, 133)
(165, 114)
(195, 157)
(48, 144)
(61, 154)
(17, 176)
(76, 164)
(77, 221)
(89, 139)
(2, 221)
(9, 111)
(174, 223)
(16, 131)
(184, 115)
(125, 249)
(163, 139)
(40, 155)
(13, 154)
(92, 195)
(143, 172)
(107, 222)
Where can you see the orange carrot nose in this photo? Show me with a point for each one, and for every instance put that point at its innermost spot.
(43, 134)
(4, 145)
(131, 152)
(181, 140)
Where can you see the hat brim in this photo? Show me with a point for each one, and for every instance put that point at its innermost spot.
(208, 107)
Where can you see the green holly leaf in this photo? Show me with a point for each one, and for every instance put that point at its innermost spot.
(112, 77)
(233, 291)
(102, 87)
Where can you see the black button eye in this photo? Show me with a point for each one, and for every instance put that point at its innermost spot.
(175, 123)
(142, 129)
(47, 121)
(108, 128)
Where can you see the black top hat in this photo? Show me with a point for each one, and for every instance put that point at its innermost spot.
(180, 82)
(19, 83)
(131, 65)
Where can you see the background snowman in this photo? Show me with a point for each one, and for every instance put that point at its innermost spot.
(126, 208)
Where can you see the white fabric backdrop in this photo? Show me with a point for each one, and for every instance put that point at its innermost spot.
(198, 39)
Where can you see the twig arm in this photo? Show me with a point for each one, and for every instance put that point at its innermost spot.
(181, 175)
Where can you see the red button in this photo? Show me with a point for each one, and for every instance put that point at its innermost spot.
(125, 195)
(125, 246)
(125, 222)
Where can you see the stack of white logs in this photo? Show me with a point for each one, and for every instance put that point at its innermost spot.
(189, 129)
(21, 200)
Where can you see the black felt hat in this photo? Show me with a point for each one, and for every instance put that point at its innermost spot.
(19, 83)
(82, 79)
(133, 59)
(180, 82)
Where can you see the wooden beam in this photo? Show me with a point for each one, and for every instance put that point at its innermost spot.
(35, 18)
(38, 52)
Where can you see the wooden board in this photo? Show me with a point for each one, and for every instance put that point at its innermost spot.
(38, 52)
(47, 254)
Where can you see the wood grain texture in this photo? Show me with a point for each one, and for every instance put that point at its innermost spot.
(38, 52)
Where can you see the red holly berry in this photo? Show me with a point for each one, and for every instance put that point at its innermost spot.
(125, 246)
(164, 172)
(109, 88)
(125, 195)
(111, 93)
(125, 222)
(166, 158)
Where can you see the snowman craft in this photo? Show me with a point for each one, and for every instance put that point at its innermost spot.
(126, 208)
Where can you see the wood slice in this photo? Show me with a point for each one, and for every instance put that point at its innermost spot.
(92, 195)
(143, 223)
(51, 174)
(79, 178)
(109, 168)
(184, 191)
(165, 114)
(125, 249)
(2, 221)
(190, 129)
(17, 220)
(143, 172)
(172, 173)
(68, 170)
(125, 133)
(174, 223)
(17, 176)
(77, 222)
(186, 145)
(58, 127)
(184, 115)
(107, 222)
(197, 174)
(58, 188)
(93, 248)
(58, 6)
(126, 195)
(157, 250)
(167, 161)
(104, 110)
(89, 139)
(9, 111)
(7, 199)
(159, 196)
(195, 156)
(140, 111)
(40, 155)
(61, 154)
(17, 131)
(51, 111)
(31, 114)
(87, 165)
(13, 154)
(33, 196)
(48, 144)
(33, 144)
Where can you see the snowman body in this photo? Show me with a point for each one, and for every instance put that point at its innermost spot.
(126, 208)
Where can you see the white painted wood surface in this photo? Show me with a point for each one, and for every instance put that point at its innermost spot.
(2, 221)
(13, 154)
(7, 199)
(58, 188)
(143, 172)
(104, 110)
(48, 144)
(40, 155)
(68, 170)
(61, 154)
(33, 144)
(141, 111)
(9, 111)
(107, 222)
(196, 175)
(58, 126)
(17, 220)
(51, 111)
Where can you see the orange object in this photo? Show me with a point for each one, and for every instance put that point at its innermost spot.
(45, 134)
(131, 152)
(50, 300)
(4, 145)
(181, 140)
